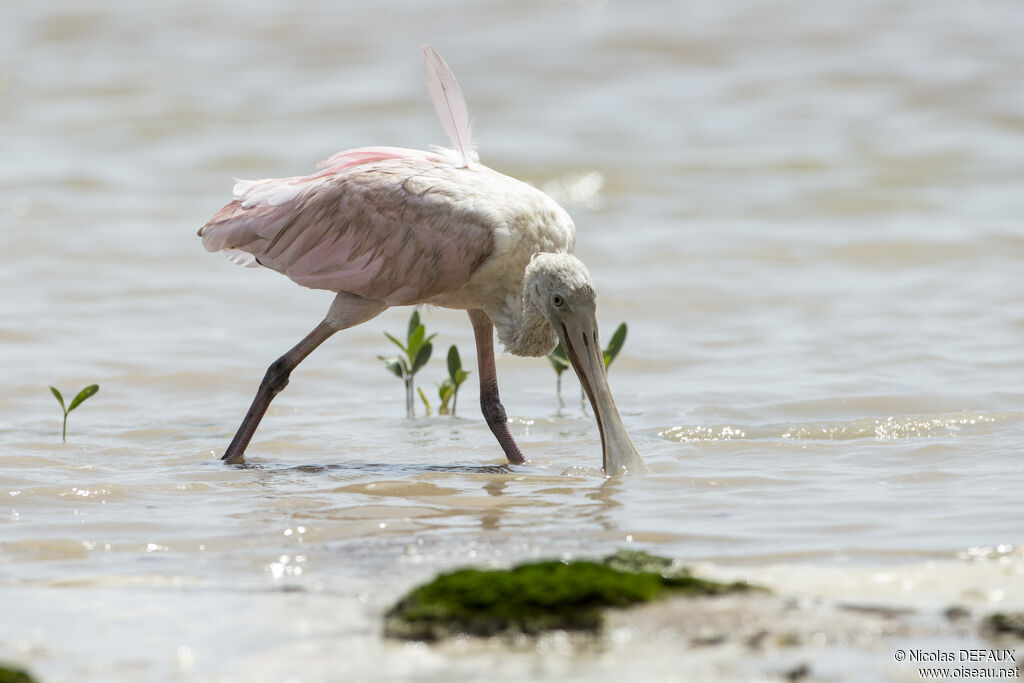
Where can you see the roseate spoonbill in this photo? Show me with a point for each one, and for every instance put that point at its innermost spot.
(387, 226)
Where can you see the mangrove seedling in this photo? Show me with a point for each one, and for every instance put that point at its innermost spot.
(560, 362)
(449, 389)
(415, 354)
(75, 402)
(423, 397)
(615, 345)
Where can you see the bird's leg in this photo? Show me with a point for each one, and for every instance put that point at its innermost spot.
(346, 310)
(490, 402)
(274, 381)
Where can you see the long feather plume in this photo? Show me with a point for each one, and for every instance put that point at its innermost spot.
(450, 105)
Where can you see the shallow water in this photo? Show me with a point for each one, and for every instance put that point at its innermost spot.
(810, 219)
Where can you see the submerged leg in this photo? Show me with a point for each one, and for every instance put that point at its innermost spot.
(346, 311)
(490, 402)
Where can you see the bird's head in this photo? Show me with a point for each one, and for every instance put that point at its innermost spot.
(560, 288)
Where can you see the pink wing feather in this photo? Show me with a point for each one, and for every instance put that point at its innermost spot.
(390, 229)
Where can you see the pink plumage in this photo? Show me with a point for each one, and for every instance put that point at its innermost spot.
(376, 224)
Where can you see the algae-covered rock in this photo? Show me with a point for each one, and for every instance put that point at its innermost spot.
(1005, 623)
(642, 561)
(11, 674)
(540, 596)
(676, 578)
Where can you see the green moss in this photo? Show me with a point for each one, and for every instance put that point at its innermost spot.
(540, 596)
(10, 674)
(641, 561)
(1005, 623)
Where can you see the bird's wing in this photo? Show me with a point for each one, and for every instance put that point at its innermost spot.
(395, 229)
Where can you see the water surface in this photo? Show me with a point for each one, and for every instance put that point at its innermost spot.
(809, 217)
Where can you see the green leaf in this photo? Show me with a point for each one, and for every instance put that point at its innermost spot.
(615, 345)
(416, 341)
(558, 359)
(60, 399)
(558, 364)
(445, 390)
(414, 322)
(460, 377)
(397, 343)
(82, 395)
(423, 397)
(421, 358)
(396, 365)
(454, 362)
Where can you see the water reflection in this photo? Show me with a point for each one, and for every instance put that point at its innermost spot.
(605, 498)
(392, 468)
(495, 487)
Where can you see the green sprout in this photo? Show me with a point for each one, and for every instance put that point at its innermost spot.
(75, 402)
(423, 397)
(416, 350)
(449, 388)
(560, 361)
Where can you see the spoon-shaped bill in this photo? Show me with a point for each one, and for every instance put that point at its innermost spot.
(578, 334)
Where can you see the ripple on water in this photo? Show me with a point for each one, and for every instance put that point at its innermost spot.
(880, 428)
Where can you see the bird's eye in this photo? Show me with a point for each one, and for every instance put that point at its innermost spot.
(557, 300)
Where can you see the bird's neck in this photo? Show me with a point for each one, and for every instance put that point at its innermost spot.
(523, 330)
